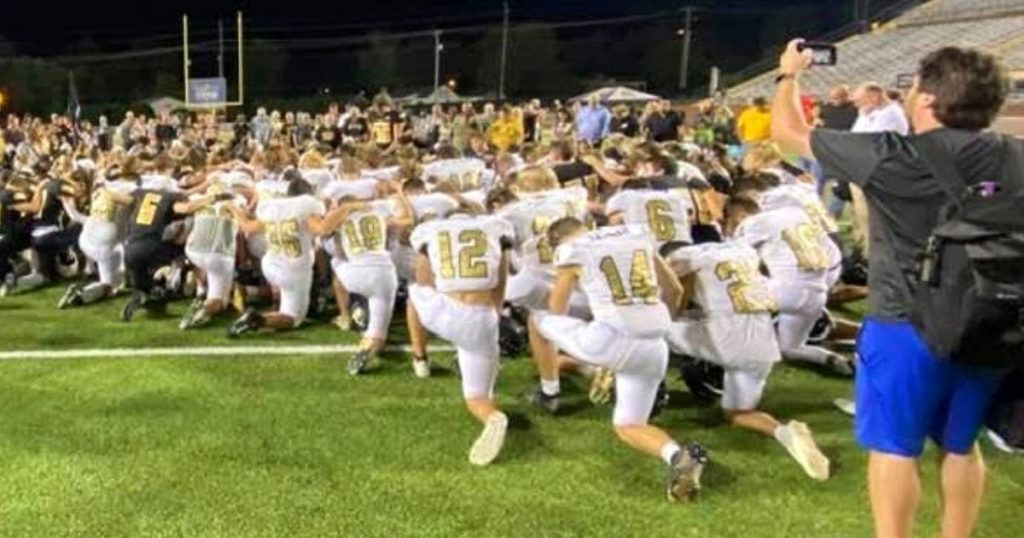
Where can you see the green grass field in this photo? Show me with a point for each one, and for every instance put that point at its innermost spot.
(292, 446)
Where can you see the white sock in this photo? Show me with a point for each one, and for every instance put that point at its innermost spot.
(550, 387)
(669, 451)
(782, 433)
(93, 292)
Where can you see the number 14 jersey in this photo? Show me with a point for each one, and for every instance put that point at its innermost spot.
(617, 273)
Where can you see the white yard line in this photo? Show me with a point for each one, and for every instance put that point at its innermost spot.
(211, 351)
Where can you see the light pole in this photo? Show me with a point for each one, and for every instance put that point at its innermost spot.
(438, 47)
(504, 54)
(684, 59)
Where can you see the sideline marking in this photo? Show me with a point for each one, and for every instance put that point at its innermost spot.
(210, 351)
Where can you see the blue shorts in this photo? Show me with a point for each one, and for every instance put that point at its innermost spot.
(905, 394)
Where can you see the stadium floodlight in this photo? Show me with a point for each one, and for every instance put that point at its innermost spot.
(211, 92)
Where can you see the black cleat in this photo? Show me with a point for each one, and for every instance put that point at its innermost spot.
(251, 320)
(544, 401)
(685, 472)
(661, 400)
(357, 364)
(133, 305)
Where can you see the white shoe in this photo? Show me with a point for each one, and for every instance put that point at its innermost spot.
(797, 439)
(421, 368)
(846, 406)
(1001, 444)
(488, 445)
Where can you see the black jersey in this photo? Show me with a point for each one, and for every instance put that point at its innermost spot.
(151, 212)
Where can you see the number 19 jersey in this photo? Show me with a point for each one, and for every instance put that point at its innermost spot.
(364, 235)
(617, 274)
(464, 251)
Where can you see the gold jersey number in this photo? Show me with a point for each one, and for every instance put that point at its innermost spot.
(365, 236)
(805, 240)
(741, 278)
(382, 132)
(102, 207)
(659, 218)
(147, 209)
(283, 238)
(472, 247)
(643, 288)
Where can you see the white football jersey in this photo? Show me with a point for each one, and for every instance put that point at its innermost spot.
(466, 174)
(159, 182)
(363, 236)
(102, 207)
(317, 177)
(800, 195)
(791, 245)
(285, 221)
(531, 216)
(381, 173)
(728, 277)
(432, 206)
(618, 276)
(269, 189)
(667, 214)
(464, 251)
(363, 189)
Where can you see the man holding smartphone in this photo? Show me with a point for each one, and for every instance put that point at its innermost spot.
(905, 392)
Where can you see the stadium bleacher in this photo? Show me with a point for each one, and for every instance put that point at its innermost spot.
(894, 48)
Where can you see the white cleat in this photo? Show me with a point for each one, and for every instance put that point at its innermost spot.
(487, 447)
(421, 368)
(797, 439)
(846, 406)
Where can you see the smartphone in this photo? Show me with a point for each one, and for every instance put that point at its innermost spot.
(821, 53)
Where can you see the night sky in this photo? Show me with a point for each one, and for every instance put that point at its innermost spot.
(44, 28)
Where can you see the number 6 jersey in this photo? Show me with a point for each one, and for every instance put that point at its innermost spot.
(616, 272)
(464, 251)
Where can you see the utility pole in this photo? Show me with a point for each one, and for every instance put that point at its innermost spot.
(684, 60)
(438, 47)
(220, 48)
(504, 54)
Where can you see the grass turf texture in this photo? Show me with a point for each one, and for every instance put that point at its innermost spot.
(292, 446)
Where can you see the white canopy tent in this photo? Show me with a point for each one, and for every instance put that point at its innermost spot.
(617, 94)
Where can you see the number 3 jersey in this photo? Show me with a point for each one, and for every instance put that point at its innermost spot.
(667, 214)
(727, 278)
(285, 225)
(464, 251)
(791, 245)
(617, 274)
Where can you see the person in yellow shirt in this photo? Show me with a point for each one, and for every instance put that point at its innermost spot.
(506, 131)
(754, 124)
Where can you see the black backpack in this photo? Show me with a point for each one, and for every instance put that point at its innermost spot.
(969, 298)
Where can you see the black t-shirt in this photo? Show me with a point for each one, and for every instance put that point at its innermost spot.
(839, 117)
(356, 128)
(530, 126)
(49, 214)
(574, 171)
(151, 212)
(628, 126)
(165, 132)
(903, 198)
(329, 135)
(663, 127)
